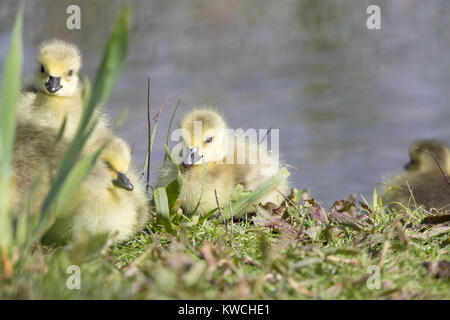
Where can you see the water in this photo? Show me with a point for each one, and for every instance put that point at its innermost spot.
(348, 101)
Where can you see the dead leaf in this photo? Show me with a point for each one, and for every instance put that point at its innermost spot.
(345, 213)
(274, 209)
(313, 232)
(436, 219)
(440, 269)
(316, 211)
(437, 231)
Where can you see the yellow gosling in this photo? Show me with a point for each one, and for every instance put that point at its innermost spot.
(211, 144)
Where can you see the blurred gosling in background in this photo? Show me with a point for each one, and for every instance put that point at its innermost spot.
(422, 183)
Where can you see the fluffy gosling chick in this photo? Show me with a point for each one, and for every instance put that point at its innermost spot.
(97, 206)
(57, 88)
(205, 138)
(58, 96)
(426, 181)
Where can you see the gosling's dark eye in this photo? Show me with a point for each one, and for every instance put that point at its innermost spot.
(42, 68)
(209, 140)
(70, 72)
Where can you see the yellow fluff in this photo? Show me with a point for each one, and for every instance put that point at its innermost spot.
(58, 96)
(212, 145)
(104, 202)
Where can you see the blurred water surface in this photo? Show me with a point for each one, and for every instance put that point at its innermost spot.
(348, 101)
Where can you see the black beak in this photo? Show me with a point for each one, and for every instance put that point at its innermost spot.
(123, 182)
(53, 84)
(406, 166)
(191, 158)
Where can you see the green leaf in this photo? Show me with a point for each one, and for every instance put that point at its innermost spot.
(8, 113)
(162, 208)
(173, 191)
(174, 188)
(113, 61)
(265, 187)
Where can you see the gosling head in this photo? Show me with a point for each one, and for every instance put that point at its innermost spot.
(57, 71)
(204, 133)
(117, 158)
(423, 154)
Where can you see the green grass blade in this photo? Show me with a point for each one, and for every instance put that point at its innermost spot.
(265, 187)
(113, 61)
(174, 188)
(8, 107)
(162, 208)
(173, 191)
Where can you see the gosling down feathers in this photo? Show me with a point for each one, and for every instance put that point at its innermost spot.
(98, 204)
(422, 183)
(96, 207)
(58, 97)
(205, 140)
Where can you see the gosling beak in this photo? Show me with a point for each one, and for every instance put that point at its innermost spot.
(53, 84)
(123, 182)
(191, 158)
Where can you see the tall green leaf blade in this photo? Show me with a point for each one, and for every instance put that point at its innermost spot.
(113, 60)
(265, 187)
(8, 107)
(174, 188)
(162, 208)
(173, 191)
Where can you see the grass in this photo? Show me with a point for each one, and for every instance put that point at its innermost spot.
(297, 250)
(291, 256)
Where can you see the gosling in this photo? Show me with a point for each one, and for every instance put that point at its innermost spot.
(97, 207)
(205, 139)
(57, 97)
(422, 183)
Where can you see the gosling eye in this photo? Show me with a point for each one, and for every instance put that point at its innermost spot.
(42, 68)
(208, 140)
(70, 73)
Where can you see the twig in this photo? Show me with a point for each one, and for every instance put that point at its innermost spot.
(171, 120)
(267, 133)
(139, 259)
(290, 166)
(438, 164)
(290, 201)
(155, 117)
(410, 191)
(149, 134)
(132, 147)
(170, 126)
(334, 258)
(221, 213)
(231, 221)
